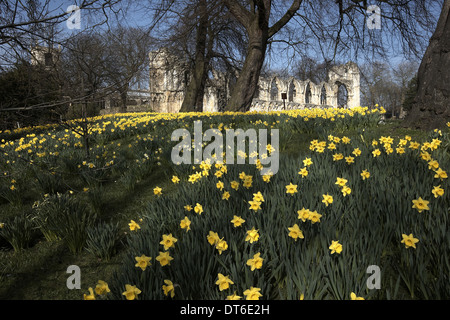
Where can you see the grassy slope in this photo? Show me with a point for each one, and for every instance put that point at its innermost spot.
(40, 271)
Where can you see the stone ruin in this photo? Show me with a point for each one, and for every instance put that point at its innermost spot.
(342, 90)
(169, 76)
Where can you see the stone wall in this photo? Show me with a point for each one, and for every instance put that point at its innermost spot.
(169, 76)
(299, 94)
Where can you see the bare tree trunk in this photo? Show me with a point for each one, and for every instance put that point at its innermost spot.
(247, 83)
(193, 100)
(431, 108)
(123, 93)
(256, 23)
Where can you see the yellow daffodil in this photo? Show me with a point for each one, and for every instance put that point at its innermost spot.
(346, 190)
(346, 140)
(168, 288)
(356, 152)
(425, 156)
(255, 205)
(341, 182)
(175, 179)
(258, 197)
(314, 216)
(157, 191)
(420, 204)
(220, 185)
(252, 293)
(327, 199)
(143, 262)
(376, 153)
(291, 189)
(237, 221)
(133, 225)
(307, 162)
(256, 262)
(252, 235)
(365, 174)
(225, 195)
(338, 156)
(441, 174)
(223, 282)
(185, 224)
(303, 172)
(198, 208)
(354, 297)
(213, 238)
(295, 232)
(409, 241)
(335, 247)
(414, 145)
(433, 165)
(164, 258)
(131, 292)
(248, 180)
(102, 288)
(234, 296)
(89, 296)
(221, 245)
(168, 241)
(303, 214)
(349, 159)
(438, 191)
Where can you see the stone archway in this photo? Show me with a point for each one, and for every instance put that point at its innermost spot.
(323, 96)
(274, 92)
(342, 95)
(292, 92)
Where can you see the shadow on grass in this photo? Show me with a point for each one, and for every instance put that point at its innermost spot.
(40, 272)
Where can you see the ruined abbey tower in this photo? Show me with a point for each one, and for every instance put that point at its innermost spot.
(169, 77)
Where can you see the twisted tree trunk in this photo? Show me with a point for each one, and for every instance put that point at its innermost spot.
(193, 99)
(247, 82)
(256, 23)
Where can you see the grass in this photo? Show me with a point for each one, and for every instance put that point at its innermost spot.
(39, 272)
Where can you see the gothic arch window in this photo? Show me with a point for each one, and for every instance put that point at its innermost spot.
(291, 92)
(308, 94)
(342, 96)
(323, 96)
(273, 91)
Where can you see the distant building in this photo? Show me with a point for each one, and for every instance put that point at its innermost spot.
(169, 77)
(45, 56)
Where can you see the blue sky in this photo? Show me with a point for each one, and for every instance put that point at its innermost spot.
(278, 59)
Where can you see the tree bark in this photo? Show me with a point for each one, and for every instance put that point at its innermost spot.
(247, 82)
(256, 23)
(431, 108)
(123, 93)
(193, 99)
